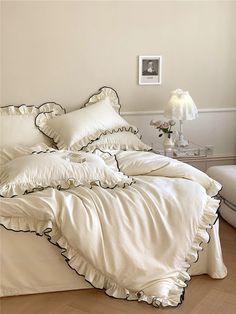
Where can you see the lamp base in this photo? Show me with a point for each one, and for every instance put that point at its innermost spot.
(181, 142)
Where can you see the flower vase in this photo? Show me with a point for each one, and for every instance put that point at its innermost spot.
(168, 144)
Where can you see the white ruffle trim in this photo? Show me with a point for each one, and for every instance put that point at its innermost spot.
(173, 296)
(117, 180)
(214, 188)
(116, 146)
(32, 110)
(12, 190)
(102, 93)
(41, 123)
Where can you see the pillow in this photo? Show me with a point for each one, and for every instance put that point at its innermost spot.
(58, 169)
(9, 153)
(118, 141)
(17, 124)
(102, 93)
(77, 129)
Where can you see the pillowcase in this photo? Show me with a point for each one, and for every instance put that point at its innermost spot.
(17, 124)
(58, 169)
(118, 141)
(10, 153)
(77, 129)
(102, 93)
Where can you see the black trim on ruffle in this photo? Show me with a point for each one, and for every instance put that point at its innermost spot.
(38, 108)
(33, 106)
(60, 188)
(98, 92)
(47, 231)
(37, 126)
(48, 150)
(200, 245)
(121, 129)
(90, 186)
(129, 129)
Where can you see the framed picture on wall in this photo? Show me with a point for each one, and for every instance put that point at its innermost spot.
(149, 70)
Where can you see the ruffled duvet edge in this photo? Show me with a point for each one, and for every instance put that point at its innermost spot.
(98, 279)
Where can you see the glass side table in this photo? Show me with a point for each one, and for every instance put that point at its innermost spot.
(192, 150)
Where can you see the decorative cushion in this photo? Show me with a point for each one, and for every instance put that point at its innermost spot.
(10, 153)
(58, 169)
(17, 124)
(79, 128)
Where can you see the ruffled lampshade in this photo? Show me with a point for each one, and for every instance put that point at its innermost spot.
(181, 106)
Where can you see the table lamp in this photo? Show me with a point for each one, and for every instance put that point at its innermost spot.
(181, 107)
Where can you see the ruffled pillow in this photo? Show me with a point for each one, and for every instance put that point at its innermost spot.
(17, 124)
(58, 169)
(10, 153)
(118, 141)
(79, 128)
(101, 94)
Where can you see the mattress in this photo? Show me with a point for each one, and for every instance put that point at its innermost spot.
(48, 271)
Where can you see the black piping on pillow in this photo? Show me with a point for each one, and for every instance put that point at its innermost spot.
(102, 93)
(28, 110)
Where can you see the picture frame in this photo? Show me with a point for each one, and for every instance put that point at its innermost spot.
(150, 68)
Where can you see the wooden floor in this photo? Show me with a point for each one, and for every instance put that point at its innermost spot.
(203, 295)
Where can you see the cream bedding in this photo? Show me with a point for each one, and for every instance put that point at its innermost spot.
(48, 272)
(136, 242)
(60, 170)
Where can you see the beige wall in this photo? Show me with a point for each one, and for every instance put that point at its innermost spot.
(64, 50)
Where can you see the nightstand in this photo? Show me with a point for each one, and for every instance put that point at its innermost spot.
(196, 156)
(203, 163)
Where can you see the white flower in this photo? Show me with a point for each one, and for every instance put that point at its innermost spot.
(172, 122)
(157, 123)
(165, 125)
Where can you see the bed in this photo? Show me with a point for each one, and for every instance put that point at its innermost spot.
(108, 213)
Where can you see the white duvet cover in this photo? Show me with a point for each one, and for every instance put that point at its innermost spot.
(136, 242)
